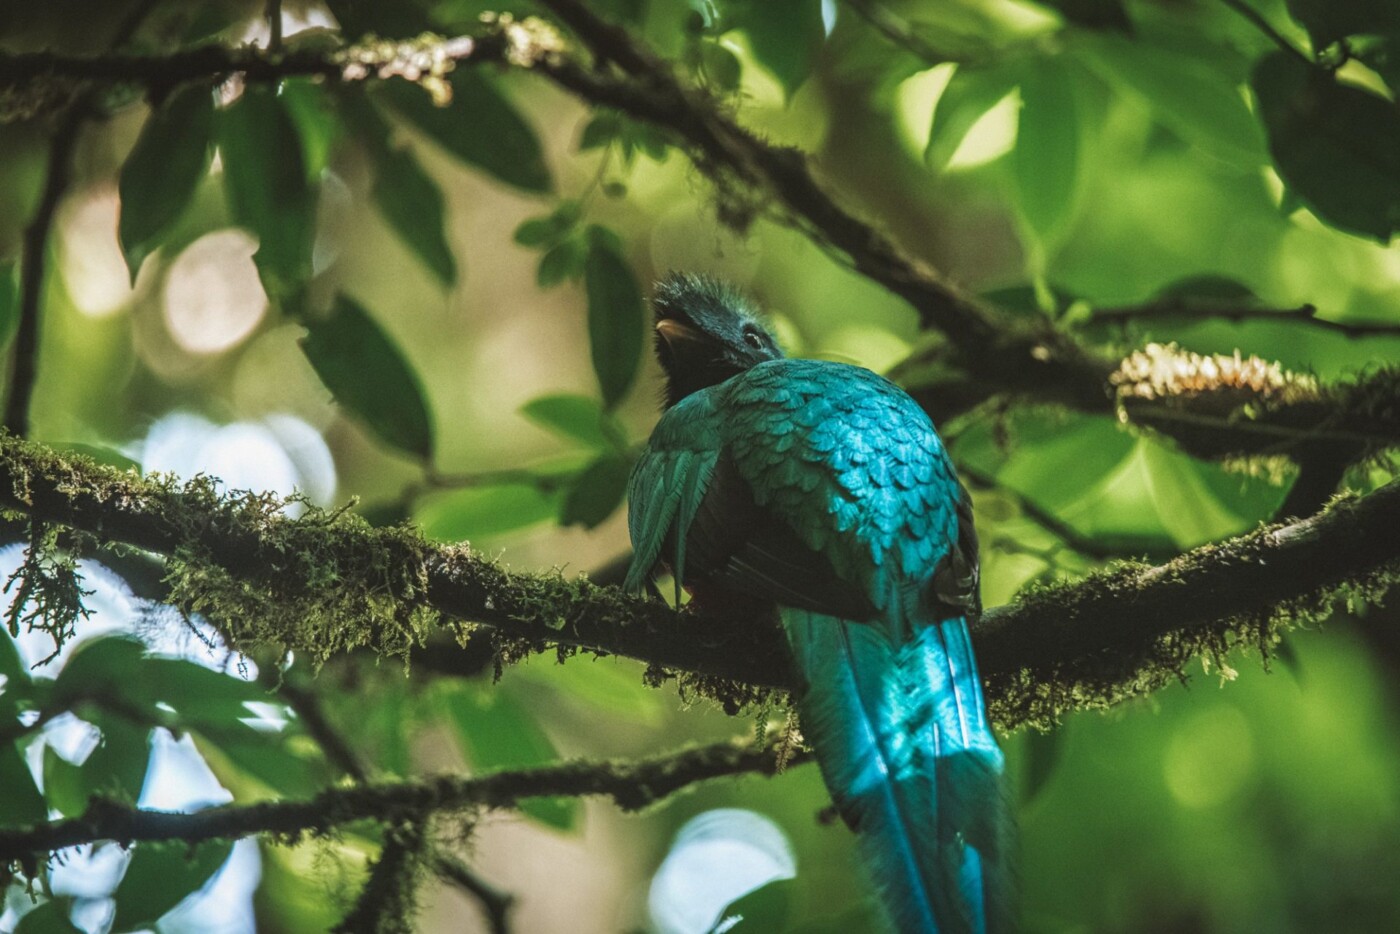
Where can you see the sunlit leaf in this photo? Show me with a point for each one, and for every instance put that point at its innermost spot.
(1046, 159)
(498, 733)
(616, 319)
(291, 769)
(481, 128)
(269, 192)
(368, 375)
(1189, 92)
(160, 876)
(596, 492)
(569, 415)
(483, 512)
(969, 94)
(1336, 146)
(160, 175)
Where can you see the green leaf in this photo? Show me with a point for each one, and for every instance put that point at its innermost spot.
(1046, 159)
(1208, 289)
(369, 376)
(160, 175)
(484, 512)
(21, 802)
(1337, 147)
(11, 664)
(564, 260)
(569, 415)
(160, 876)
(289, 768)
(721, 66)
(549, 229)
(600, 131)
(1381, 54)
(764, 909)
(596, 492)
(306, 103)
(1330, 20)
(1043, 752)
(786, 38)
(1188, 91)
(498, 733)
(969, 94)
(52, 917)
(616, 319)
(101, 665)
(115, 769)
(268, 191)
(100, 453)
(481, 127)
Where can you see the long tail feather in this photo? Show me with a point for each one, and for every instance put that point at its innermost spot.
(901, 732)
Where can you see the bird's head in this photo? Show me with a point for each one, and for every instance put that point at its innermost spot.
(706, 332)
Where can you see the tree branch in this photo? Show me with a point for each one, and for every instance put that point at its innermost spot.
(1116, 634)
(1190, 310)
(631, 785)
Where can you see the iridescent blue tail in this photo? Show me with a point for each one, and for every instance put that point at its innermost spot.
(901, 732)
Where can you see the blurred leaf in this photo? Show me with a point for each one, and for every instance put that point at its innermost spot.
(9, 301)
(316, 122)
(483, 512)
(969, 94)
(573, 416)
(412, 203)
(1381, 54)
(1043, 752)
(101, 665)
(407, 196)
(616, 318)
(1046, 158)
(369, 376)
(763, 910)
(722, 67)
(115, 769)
(266, 180)
(284, 761)
(160, 876)
(49, 918)
(611, 685)
(1093, 14)
(170, 158)
(1189, 92)
(786, 38)
(1337, 147)
(498, 733)
(1330, 20)
(597, 492)
(1208, 289)
(564, 260)
(201, 697)
(102, 454)
(21, 802)
(548, 229)
(11, 664)
(600, 131)
(481, 127)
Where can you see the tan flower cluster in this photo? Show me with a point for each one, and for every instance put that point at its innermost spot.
(528, 41)
(1161, 371)
(426, 61)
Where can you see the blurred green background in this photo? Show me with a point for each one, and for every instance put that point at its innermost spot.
(487, 265)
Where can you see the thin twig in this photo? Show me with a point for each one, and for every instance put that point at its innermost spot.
(495, 903)
(632, 785)
(1178, 310)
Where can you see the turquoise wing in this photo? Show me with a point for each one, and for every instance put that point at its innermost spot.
(667, 485)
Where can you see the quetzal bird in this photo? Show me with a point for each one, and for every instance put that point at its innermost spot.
(824, 489)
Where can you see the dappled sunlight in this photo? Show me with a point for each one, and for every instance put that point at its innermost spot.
(94, 270)
(715, 859)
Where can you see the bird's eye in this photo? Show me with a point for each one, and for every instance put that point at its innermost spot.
(752, 339)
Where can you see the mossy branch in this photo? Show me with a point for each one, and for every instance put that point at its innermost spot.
(323, 583)
(632, 786)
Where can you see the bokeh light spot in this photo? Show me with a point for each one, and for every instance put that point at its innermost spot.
(91, 261)
(717, 857)
(213, 297)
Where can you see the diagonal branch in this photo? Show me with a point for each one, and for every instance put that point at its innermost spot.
(632, 786)
(1087, 644)
(1181, 309)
